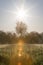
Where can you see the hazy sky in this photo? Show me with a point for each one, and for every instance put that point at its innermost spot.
(8, 18)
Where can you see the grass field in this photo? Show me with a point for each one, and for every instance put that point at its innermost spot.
(28, 54)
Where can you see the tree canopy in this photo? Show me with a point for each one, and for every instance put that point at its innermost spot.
(21, 28)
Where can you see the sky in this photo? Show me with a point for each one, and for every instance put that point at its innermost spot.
(33, 19)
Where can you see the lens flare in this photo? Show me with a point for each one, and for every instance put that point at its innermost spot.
(19, 54)
(21, 13)
(20, 48)
(19, 63)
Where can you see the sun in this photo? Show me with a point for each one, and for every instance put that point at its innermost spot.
(21, 13)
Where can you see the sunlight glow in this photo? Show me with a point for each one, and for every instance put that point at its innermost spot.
(19, 54)
(20, 42)
(19, 63)
(20, 48)
(21, 13)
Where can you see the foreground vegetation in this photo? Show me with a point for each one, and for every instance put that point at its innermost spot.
(32, 55)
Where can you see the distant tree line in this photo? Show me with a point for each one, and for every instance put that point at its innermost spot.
(21, 34)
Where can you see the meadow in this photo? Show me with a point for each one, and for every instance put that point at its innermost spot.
(31, 54)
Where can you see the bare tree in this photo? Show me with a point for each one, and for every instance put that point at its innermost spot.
(21, 28)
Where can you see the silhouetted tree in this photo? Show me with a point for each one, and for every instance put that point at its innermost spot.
(21, 28)
(14, 38)
(33, 37)
(2, 37)
(9, 38)
(42, 36)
